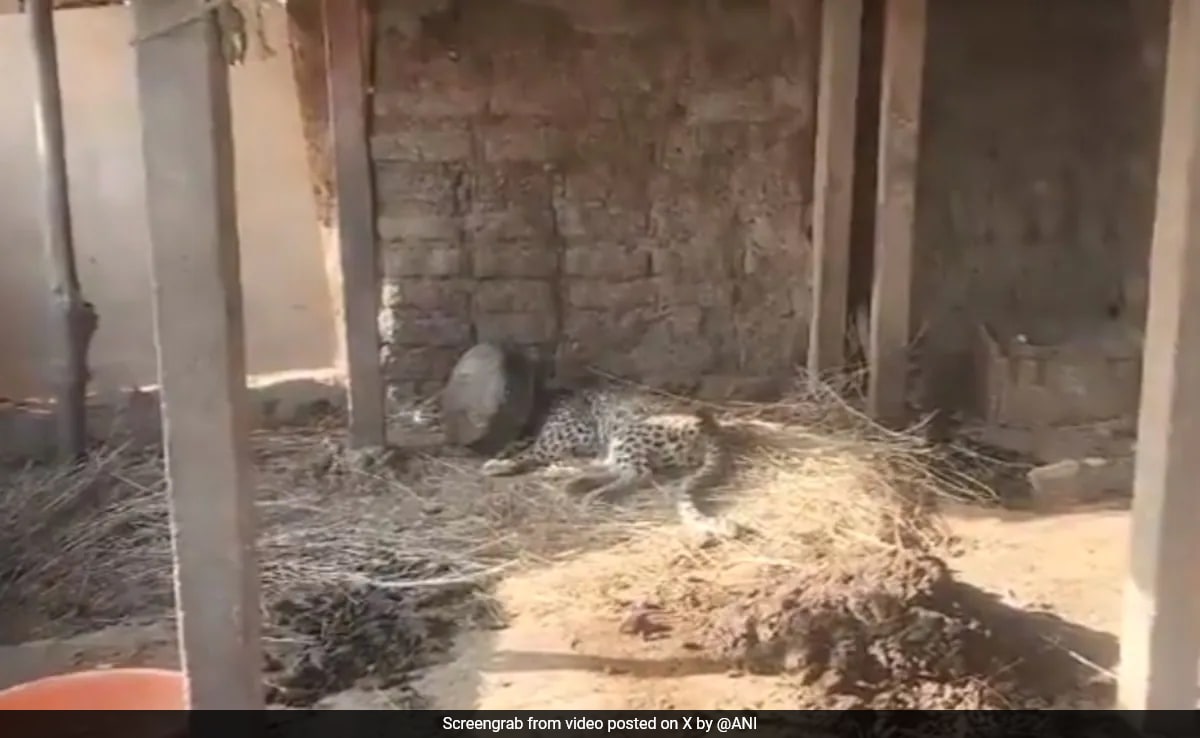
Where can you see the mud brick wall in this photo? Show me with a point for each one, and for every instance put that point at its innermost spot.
(617, 183)
(1039, 157)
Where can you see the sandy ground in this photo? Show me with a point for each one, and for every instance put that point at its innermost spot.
(1071, 565)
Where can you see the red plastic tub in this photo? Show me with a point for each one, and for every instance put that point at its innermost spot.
(106, 689)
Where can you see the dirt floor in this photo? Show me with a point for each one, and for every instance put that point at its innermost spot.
(1069, 566)
(1068, 570)
(1011, 610)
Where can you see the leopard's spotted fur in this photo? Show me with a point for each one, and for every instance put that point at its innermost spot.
(627, 435)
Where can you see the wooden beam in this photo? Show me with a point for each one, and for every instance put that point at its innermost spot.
(899, 136)
(76, 319)
(187, 142)
(306, 39)
(1160, 639)
(346, 62)
(837, 99)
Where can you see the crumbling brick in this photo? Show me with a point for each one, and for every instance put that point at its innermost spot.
(697, 291)
(429, 102)
(441, 295)
(610, 295)
(582, 222)
(522, 140)
(605, 261)
(513, 296)
(423, 261)
(506, 184)
(549, 96)
(408, 363)
(509, 224)
(416, 221)
(611, 18)
(432, 183)
(750, 103)
(516, 327)
(422, 141)
(407, 327)
(509, 260)
(440, 86)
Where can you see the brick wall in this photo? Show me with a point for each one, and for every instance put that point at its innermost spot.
(619, 183)
(627, 183)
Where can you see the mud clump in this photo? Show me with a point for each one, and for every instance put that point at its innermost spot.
(326, 640)
(890, 632)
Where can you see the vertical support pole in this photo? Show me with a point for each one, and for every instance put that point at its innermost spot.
(306, 39)
(899, 136)
(187, 142)
(837, 98)
(1160, 638)
(346, 65)
(75, 318)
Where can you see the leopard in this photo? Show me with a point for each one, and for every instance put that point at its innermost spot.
(625, 436)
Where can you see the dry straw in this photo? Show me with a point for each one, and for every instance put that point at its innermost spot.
(366, 557)
(91, 544)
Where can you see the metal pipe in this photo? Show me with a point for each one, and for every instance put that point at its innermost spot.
(75, 319)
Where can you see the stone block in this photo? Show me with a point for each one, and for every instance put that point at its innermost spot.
(418, 363)
(411, 83)
(399, 221)
(516, 327)
(615, 18)
(591, 183)
(525, 86)
(506, 184)
(513, 296)
(439, 295)
(679, 217)
(522, 140)
(408, 140)
(680, 290)
(591, 327)
(605, 261)
(433, 183)
(750, 103)
(423, 261)
(431, 101)
(796, 94)
(513, 261)
(609, 295)
(584, 222)
(508, 224)
(1092, 375)
(406, 327)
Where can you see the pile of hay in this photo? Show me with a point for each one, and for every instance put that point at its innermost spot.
(367, 560)
(841, 589)
(369, 563)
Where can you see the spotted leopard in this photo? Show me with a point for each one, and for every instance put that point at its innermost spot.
(627, 436)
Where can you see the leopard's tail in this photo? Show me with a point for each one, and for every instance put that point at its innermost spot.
(713, 470)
